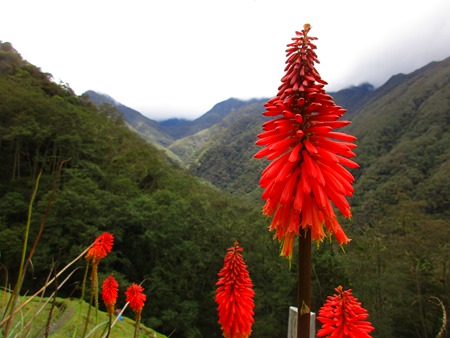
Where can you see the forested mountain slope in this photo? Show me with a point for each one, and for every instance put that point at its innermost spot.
(402, 194)
(402, 198)
(147, 128)
(182, 128)
(403, 141)
(185, 140)
(398, 259)
(408, 114)
(192, 147)
(172, 230)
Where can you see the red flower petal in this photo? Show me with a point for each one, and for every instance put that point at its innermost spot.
(234, 296)
(102, 246)
(342, 316)
(136, 297)
(110, 293)
(307, 175)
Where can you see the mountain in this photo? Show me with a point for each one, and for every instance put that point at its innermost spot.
(176, 136)
(185, 140)
(70, 171)
(403, 140)
(171, 229)
(402, 130)
(387, 120)
(147, 128)
(223, 154)
(401, 204)
(192, 147)
(177, 128)
(353, 98)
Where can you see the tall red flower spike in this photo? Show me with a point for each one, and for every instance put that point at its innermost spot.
(343, 317)
(102, 246)
(234, 296)
(136, 297)
(307, 171)
(109, 293)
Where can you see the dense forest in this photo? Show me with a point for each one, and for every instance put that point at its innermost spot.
(172, 227)
(398, 260)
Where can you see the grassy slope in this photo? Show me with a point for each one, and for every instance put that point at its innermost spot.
(68, 315)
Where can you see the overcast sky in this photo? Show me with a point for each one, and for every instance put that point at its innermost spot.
(177, 58)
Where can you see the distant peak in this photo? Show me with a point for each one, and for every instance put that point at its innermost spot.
(99, 97)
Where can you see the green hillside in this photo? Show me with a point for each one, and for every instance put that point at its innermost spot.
(403, 142)
(172, 228)
(398, 259)
(68, 317)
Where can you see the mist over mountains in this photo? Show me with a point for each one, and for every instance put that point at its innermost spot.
(160, 132)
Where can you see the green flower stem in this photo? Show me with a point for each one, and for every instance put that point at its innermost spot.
(20, 277)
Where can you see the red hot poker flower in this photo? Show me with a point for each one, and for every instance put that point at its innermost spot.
(136, 297)
(110, 293)
(306, 177)
(102, 246)
(234, 296)
(343, 317)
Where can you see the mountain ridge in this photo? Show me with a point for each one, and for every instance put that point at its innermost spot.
(167, 134)
(375, 122)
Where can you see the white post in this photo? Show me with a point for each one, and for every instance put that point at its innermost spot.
(292, 326)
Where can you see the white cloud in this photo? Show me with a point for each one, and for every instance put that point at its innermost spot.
(179, 58)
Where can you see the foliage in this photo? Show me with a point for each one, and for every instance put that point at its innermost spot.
(170, 229)
(403, 138)
(65, 319)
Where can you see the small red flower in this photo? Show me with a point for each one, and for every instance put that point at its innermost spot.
(235, 296)
(343, 317)
(110, 293)
(102, 246)
(136, 297)
(306, 178)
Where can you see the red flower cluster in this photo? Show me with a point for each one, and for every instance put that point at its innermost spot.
(109, 293)
(343, 317)
(102, 246)
(136, 297)
(234, 296)
(307, 171)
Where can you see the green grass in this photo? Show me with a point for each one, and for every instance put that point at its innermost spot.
(69, 315)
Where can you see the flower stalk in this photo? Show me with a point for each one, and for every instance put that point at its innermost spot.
(110, 291)
(234, 296)
(100, 248)
(304, 284)
(307, 177)
(136, 298)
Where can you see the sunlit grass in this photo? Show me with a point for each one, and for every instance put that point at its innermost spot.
(66, 320)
